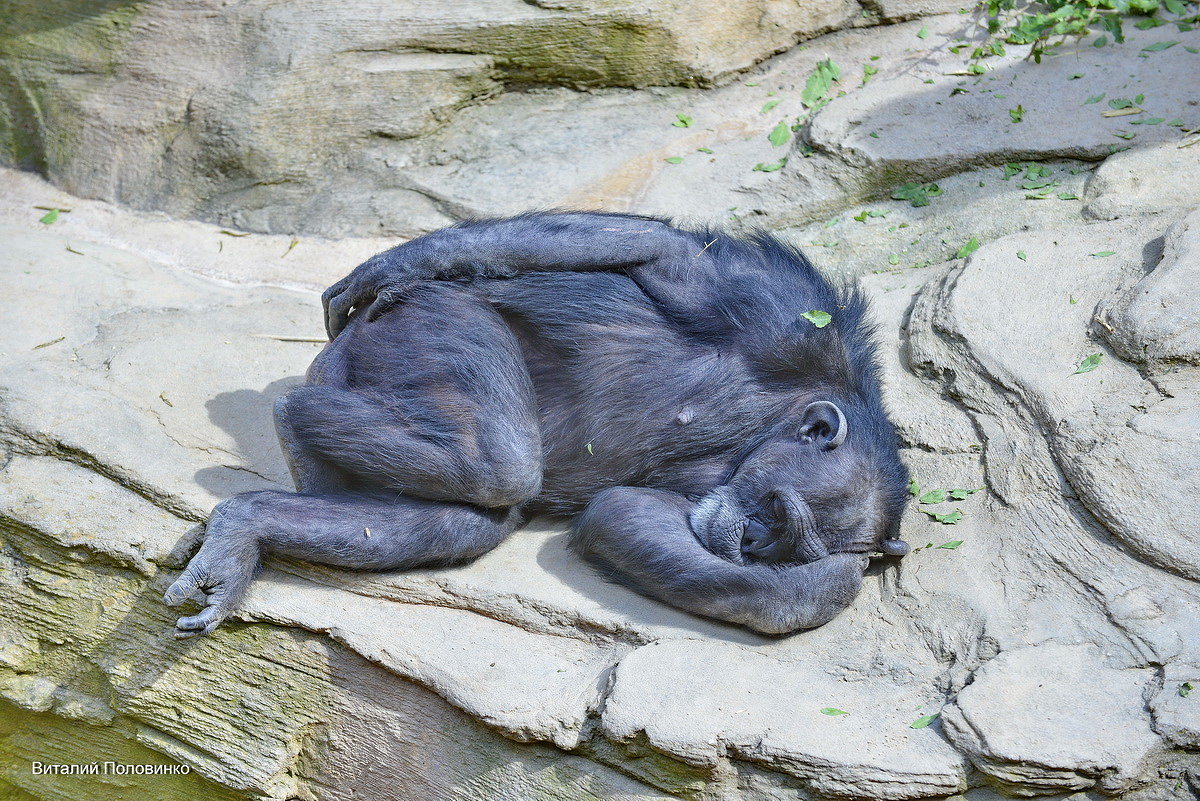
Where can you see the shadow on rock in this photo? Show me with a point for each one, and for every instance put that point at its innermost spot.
(247, 416)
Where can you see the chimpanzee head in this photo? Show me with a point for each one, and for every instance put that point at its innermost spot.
(826, 479)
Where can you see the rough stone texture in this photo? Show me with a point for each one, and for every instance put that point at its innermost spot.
(142, 354)
(273, 103)
(1145, 180)
(997, 720)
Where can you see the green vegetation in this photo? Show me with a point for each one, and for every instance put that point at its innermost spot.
(1048, 24)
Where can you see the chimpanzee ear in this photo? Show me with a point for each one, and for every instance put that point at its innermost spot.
(823, 423)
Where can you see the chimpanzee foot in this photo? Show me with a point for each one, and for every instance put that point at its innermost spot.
(222, 570)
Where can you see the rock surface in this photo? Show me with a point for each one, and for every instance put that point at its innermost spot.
(1050, 651)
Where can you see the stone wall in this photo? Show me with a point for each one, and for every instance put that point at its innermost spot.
(222, 164)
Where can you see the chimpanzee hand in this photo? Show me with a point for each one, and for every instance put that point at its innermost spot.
(376, 285)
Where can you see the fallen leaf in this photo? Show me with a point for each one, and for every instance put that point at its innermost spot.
(970, 247)
(947, 519)
(923, 721)
(817, 317)
(1089, 364)
(780, 134)
(774, 166)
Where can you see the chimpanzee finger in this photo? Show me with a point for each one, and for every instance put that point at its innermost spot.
(338, 313)
(384, 302)
(215, 611)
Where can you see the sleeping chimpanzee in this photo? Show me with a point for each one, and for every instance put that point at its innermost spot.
(721, 452)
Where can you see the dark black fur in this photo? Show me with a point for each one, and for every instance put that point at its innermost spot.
(728, 457)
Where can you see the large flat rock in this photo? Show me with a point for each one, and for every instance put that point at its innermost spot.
(1043, 718)
(137, 383)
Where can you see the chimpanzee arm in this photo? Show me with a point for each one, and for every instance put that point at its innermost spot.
(572, 241)
(641, 538)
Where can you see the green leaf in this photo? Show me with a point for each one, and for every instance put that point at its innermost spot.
(1103, 254)
(49, 217)
(967, 249)
(683, 121)
(950, 546)
(923, 33)
(1017, 114)
(705, 150)
(960, 494)
(917, 194)
(894, 259)
(1068, 196)
(933, 496)
(976, 69)
(774, 166)
(589, 448)
(780, 134)
(833, 711)
(1149, 121)
(1089, 364)
(1158, 47)
(914, 489)
(923, 721)
(1126, 135)
(1022, 255)
(1101, 41)
(674, 159)
(817, 317)
(819, 82)
(868, 71)
(1185, 689)
(947, 519)
(1075, 77)
(1094, 99)
(1011, 169)
(770, 104)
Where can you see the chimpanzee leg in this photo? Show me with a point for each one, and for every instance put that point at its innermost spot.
(416, 435)
(641, 538)
(365, 531)
(432, 400)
